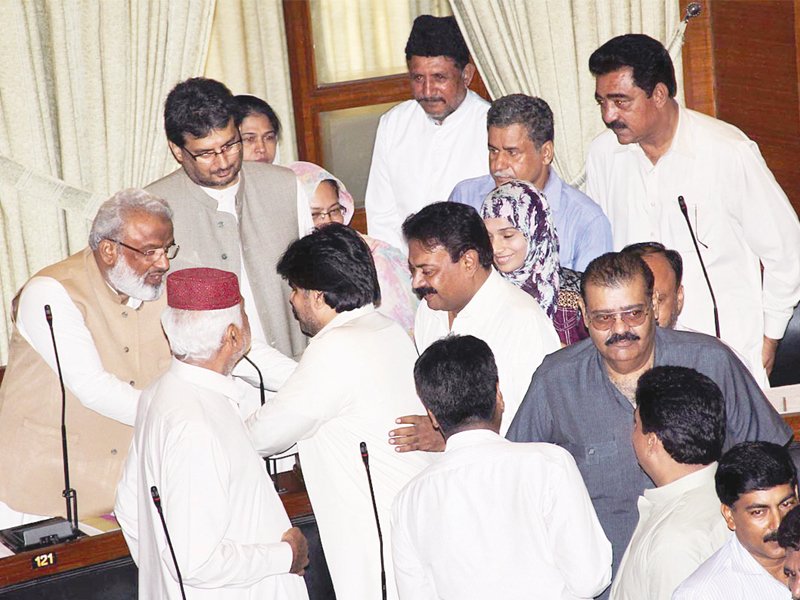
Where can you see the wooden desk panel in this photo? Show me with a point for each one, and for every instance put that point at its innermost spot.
(94, 550)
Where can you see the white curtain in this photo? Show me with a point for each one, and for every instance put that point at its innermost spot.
(248, 53)
(357, 39)
(82, 88)
(542, 48)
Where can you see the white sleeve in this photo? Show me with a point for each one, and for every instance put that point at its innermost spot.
(412, 580)
(580, 547)
(126, 506)
(198, 522)
(383, 219)
(772, 231)
(312, 396)
(595, 183)
(83, 371)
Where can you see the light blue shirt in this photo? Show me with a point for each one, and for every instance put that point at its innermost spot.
(584, 232)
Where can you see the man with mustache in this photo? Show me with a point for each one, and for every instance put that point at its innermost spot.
(105, 303)
(583, 397)
(450, 257)
(789, 539)
(656, 151)
(521, 147)
(228, 215)
(757, 485)
(425, 146)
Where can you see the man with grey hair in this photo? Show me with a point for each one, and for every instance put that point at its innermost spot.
(104, 306)
(189, 436)
(521, 147)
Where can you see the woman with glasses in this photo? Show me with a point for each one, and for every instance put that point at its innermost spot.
(526, 253)
(330, 202)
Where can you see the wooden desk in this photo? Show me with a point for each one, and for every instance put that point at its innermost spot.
(97, 555)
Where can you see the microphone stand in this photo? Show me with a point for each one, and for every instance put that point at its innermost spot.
(682, 204)
(55, 530)
(157, 501)
(365, 458)
(70, 495)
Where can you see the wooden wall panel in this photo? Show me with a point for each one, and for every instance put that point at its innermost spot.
(755, 63)
(698, 62)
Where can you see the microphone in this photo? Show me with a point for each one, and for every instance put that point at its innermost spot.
(365, 458)
(70, 495)
(682, 204)
(157, 501)
(56, 529)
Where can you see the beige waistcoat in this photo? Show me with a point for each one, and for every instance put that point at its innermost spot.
(131, 346)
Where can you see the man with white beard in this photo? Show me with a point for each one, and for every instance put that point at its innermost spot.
(104, 306)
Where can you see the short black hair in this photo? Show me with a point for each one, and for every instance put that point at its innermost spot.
(518, 109)
(648, 58)
(789, 530)
(613, 269)
(336, 261)
(197, 106)
(437, 36)
(248, 105)
(642, 249)
(751, 466)
(686, 411)
(454, 226)
(456, 379)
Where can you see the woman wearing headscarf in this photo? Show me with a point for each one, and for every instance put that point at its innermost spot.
(526, 253)
(329, 201)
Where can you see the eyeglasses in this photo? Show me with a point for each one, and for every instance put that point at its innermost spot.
(632, 318)
(208, 156)
(155, 254)
(332, 214)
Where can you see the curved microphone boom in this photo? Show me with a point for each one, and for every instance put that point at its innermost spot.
(365, 458)
(685, 212)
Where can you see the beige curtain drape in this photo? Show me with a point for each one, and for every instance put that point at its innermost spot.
(82, 87)
(248, 53)
(542, 48)
(357, 39)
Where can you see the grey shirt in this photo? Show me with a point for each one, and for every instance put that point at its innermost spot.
(572, 402)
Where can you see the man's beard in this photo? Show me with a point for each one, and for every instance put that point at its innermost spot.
(125, 280)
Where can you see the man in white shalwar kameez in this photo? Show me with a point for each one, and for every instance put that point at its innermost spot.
(657, 151)
(492, 518)
(425, 146)
(355, 377)
(230, 532)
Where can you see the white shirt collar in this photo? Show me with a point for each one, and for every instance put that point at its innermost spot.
(226, 198)
(667, 493)
(208, 379)
(345, 317)
(472, 437)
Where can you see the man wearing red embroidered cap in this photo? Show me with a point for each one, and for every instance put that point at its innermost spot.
(228, 527)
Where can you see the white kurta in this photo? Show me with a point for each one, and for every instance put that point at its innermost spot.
(223, 514)
(510, 321)
(417, 161)
(680, 526)
(731, 574)
(739, 214)
(496, 519)
(328, 411)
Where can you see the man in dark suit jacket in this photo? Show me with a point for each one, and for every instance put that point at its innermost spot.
(227, 215)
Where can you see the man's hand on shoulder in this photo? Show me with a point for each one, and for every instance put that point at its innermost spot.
(295, 538)
(419, 435)
(768, 354)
